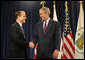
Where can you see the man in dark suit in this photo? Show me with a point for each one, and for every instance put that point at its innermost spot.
(48, 35)
(18, 42)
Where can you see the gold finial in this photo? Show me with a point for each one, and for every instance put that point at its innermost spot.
(80, 2)
(42, 3)
(54, 2)
(66, 5)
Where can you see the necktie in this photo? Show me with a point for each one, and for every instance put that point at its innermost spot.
(44, 29)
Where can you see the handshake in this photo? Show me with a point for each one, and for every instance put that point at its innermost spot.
(31, 44)
(55, 53)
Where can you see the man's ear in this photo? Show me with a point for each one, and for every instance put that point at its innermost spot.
(47, 13)
(18, 16)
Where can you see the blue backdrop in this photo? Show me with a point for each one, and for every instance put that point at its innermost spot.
(8, 9)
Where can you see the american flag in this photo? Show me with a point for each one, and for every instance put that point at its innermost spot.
(35, 51)
(67, 44)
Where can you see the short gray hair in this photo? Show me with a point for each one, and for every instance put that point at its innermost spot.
(45, 9)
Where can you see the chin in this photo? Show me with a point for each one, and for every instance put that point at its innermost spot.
(42, 19)
(24, 22)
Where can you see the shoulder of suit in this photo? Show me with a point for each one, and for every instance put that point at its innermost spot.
(39, 22)
(56, 22)
(15, 24)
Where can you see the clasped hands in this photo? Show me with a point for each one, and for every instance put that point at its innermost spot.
(31, 44)
(55, 53)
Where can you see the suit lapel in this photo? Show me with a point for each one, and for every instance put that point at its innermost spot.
(49, 26)
(41, 28)
(20, 29)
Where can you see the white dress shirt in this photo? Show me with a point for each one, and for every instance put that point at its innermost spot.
(19, 24)
(46, 23)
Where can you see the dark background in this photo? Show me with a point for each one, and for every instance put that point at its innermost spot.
(8, 9)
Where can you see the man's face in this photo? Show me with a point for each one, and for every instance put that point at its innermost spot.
(42, 14)
(22, 17)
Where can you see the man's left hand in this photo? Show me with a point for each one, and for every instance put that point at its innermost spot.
(55, 54)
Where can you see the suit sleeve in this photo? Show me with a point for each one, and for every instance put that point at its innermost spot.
(17, 38)
(58, 36)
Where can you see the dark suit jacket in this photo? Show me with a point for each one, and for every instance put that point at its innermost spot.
(50, 41)
(17, 42)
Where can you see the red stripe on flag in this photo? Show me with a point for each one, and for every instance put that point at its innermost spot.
(35, 52)
(70, 43)
(66, 48)
(71, 34)
(61, 57)
(64, 56)
(34, 56)
(36, 46)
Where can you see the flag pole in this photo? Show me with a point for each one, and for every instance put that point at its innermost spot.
(66, 14)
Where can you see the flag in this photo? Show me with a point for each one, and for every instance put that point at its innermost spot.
(79, 38)
(54, 13)
(35, 52)
(67, 50)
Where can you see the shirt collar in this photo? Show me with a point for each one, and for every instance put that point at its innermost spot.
(48, 20)
(19, 23)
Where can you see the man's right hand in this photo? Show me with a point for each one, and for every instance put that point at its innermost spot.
(31, 44)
